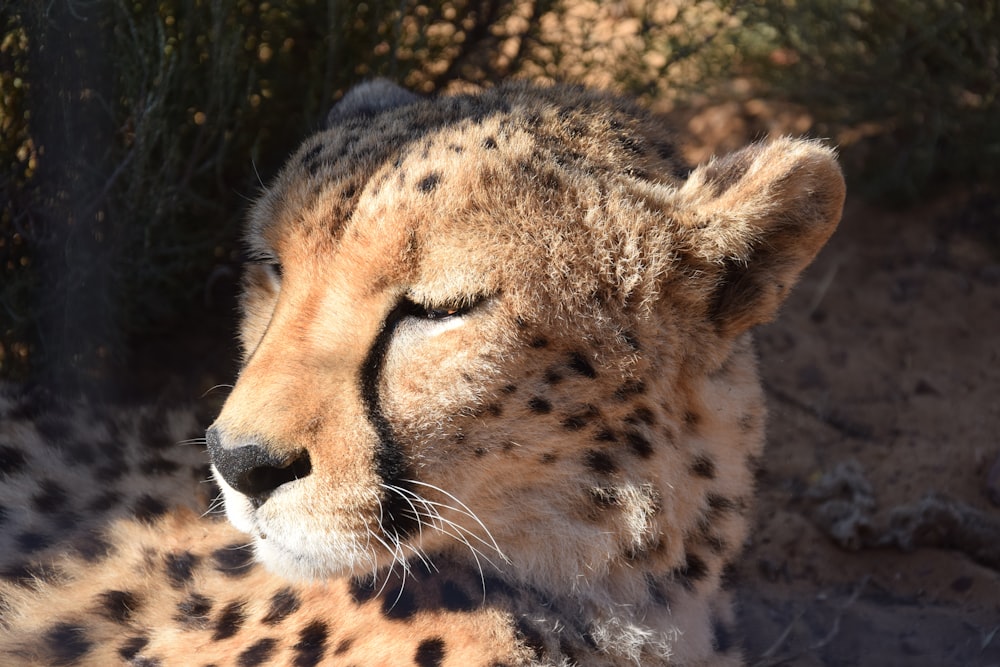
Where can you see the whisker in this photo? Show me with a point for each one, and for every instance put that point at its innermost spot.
(213, 388)
(468, 512)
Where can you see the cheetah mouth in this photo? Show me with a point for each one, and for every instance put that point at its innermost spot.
(406, 522)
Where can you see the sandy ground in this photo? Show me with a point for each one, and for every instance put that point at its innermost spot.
(885, 359)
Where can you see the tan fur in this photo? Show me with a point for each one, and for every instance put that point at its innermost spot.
(576, 423)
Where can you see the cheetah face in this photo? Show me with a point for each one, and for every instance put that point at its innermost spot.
(506, 327)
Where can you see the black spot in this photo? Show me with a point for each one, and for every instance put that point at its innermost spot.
(715, 543)
(30, 542)
(22, 574)
(531, 637)
(92, 547)
(552, 376)
(362, 589)
(548, 458)
(344, 646)
(489, 143)
(257, 653)
(311, 645)
(656, 592)
(629, 389)
(575, 422)
(117, 606)
(12, 460)
(230, 621)
(53, 429)
(399, 604)
(283, 603)
(110, 473)
(193, 612)
(67, 643)
(132, 646)
(639, 443)
(158, 465)
(155, 434)
(105, 501)
(539, 406)
(665, 150)
(494, 410)
(147, 509)
(605, 435)
(722, 638)
(234, 560)
(180, 567)
(703, 466)
(78, 453)
(429, 182)
(539, 342)
(720, 504)
(509, 389)
(599, 462)
(694, 570)
(746, 422)
(430, 653)
(605, 497)
(581, 365)
(454, 598)
(631, 340)
(66, 520)
(642, 415)
(691, 419)
(312, 153)
(50, 498)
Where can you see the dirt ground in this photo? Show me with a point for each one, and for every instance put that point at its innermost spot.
(885, 359)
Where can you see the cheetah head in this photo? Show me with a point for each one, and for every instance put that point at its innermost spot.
(508, 327)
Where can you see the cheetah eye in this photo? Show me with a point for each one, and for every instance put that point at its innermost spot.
(270, 263)
(423, 312)
(442, 313)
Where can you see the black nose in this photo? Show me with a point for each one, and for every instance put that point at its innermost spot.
(253, 469)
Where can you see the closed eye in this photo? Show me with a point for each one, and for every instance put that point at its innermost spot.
(268, 261)
(444, 312)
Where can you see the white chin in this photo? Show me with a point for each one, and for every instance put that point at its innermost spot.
(298, 552)
(239, 511)
(301, 556)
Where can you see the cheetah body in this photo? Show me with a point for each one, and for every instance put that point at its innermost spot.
(498, 406)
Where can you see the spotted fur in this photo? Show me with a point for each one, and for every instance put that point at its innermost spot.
(498, 406)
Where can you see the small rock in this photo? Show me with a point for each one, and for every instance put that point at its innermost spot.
(993, 483)
(962, 584)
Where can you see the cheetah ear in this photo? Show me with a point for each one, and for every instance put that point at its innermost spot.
(760, 214)
(370, 99)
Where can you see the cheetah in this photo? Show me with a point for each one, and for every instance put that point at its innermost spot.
(498, 405)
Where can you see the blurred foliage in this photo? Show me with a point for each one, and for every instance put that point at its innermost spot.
(910, 89)
(133, 132)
